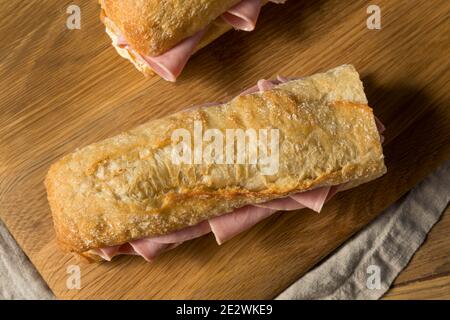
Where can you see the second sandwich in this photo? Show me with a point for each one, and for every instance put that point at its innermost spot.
(160, 36)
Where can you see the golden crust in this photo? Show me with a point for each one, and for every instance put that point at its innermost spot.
(152, 26)
(114, 25)
(127, 53)
(127, 187)
(215, 30)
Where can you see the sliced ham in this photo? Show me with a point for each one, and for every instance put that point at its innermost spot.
(126, 249)
(300, 200)
(244, 15)
(282, 79)
(284, 204)
(312, 199)
(107, 253)
(149, 249)
(229, 225)
(264, 85)
(333, 191)
(185, 234)
(381, 128)
(261, 86)
(224, 227)
(170, 64)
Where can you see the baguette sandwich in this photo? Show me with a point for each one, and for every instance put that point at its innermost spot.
(160, 36)
(129, 194)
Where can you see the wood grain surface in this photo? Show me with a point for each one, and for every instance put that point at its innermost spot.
(63, 89)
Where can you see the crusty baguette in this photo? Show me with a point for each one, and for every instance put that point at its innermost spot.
(152, 26)
(215, 30)
(127, 187)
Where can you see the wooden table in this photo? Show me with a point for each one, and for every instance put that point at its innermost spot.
(64, 89)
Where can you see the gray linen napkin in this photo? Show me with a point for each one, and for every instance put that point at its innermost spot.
(18, 277)
(366, 266)
(363, 268)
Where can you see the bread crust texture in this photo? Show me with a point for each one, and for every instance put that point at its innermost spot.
(127, 187)
(215, 30)
(153, 26)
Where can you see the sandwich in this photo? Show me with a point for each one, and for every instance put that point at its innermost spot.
(160, 36)
(167, 181)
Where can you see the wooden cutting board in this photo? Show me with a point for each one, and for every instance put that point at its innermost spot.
(62, 89)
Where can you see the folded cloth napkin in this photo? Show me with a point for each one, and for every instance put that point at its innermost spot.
(363, 268)
(18, 277)
(366, 266)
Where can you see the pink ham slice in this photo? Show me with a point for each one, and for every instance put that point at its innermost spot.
(224, 227)
(282, 79)
(229, 225)
(264, 85)
(261, 86)
(380, 126)
(285, 204)
(108, 253)
(312, 199)
(333, 191)
(381, 129)
(185, 234)
(170, 64)
(290, 203)
(149, 249)
(244, 15)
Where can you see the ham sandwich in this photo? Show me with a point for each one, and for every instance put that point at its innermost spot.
(125, 196)
(160, 36)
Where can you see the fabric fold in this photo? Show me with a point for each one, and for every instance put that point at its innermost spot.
(394, 236)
